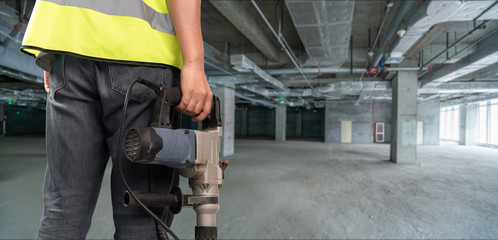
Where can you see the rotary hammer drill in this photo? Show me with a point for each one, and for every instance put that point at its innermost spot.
(194, 153)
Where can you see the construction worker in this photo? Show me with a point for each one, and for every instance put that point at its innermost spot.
(91, 51)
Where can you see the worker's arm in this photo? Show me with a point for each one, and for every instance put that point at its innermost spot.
(196, 94)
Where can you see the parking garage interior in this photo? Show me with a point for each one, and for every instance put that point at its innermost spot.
(341, 119)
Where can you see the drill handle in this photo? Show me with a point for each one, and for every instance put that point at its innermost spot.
(163, 112)
(214, 118)
(164, 109)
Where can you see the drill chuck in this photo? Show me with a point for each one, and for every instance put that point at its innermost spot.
(161, 146)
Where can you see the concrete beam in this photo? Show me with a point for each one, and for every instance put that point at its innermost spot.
(485, 55)
(237, 13)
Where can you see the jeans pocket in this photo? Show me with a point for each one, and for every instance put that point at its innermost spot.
(122, 75)
(57, 80)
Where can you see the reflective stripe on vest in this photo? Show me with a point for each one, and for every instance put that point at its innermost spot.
(136, 31)
(138, 9)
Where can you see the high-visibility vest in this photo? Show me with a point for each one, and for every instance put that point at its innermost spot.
(132, 31)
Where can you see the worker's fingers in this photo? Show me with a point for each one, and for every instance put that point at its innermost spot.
(184, 102)
(198, 107)
(46, 76)
(190, 108)
(206, 108)
(192, 104)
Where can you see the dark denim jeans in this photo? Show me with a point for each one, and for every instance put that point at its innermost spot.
(84, 108)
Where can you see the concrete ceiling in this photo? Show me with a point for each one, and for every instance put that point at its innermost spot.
(265, 33)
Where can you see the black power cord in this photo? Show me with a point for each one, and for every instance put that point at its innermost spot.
(121, 132)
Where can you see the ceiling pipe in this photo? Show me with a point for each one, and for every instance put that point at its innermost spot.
(391, 30)
(383, 20)
(282, 42)
(342, 70)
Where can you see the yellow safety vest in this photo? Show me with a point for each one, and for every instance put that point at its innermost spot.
(132, 31)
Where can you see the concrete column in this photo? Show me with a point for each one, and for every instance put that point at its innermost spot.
(2, 122)
(227, 105)
(463, 124)
(404, 118)
(280, 120)
(468, 131)
(299, 124)
(429, 112)
(243, 124)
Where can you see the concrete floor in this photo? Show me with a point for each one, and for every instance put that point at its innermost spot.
(301, 189)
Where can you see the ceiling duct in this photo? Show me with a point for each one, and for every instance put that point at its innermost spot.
(324, 28)
(242, 64)
(431, 13)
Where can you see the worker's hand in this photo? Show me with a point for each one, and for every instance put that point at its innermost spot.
(46, 76)
(196, 94)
